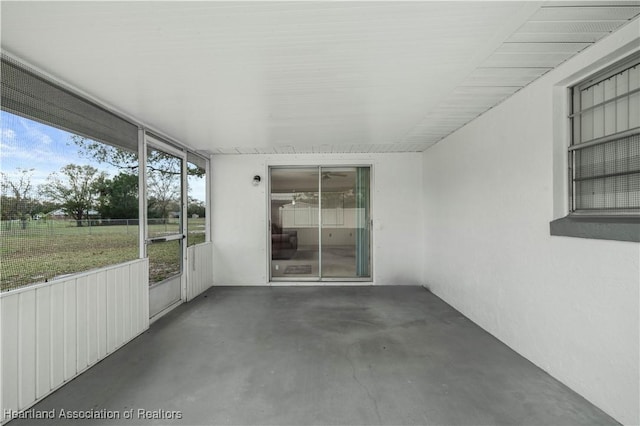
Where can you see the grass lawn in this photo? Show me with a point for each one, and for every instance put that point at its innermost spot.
(45, 250)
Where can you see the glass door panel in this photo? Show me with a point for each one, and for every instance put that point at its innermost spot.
(294, 223)
(165, 199)
(363, 222)
(320, 221)
(345, 220)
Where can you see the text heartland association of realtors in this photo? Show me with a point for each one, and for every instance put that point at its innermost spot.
(132, 413)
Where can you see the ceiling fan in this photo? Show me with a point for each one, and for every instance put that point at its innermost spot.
(329, 175)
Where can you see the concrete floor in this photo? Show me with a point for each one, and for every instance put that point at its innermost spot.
(321, 355)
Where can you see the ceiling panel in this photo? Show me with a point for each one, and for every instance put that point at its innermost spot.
(557, 47)
(592, 3)
(304, 77)
(559, 37)
(479, 91)
(576, 12)
(284, 149)
(503, 76)
(526, 60)
(598, 26)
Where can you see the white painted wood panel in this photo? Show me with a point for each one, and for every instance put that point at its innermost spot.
(54, 331)
(92, 332)
(135, 309)
(10, 356)
(119, 305)
(101, 308)
(126, 304)
(83, 308)
(143, 270)
(200, 269)
(70, 329)
(56, 334)
(43, 341)
(26, 348)
(111, 313)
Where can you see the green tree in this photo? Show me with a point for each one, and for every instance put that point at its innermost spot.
(103, 153)
(196, 207)
(118, 197)
(163, 190)
(16, 196)
(75, 189)
(163, 173)
(128, 160)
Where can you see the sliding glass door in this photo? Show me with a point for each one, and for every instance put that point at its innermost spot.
(295, 197)
(345, 222)
(319, 225)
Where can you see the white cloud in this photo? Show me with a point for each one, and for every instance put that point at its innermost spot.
(4, 146)
(45, 139)
(7, 134)
(40, 136)
(6, 150)
(34, 133)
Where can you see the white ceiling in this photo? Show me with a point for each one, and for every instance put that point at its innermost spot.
(299, 77)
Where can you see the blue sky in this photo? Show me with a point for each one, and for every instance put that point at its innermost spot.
(29, 144)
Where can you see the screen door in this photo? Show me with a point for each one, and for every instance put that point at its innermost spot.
(164, 183)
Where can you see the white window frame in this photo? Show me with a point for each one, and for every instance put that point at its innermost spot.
(207, 204)
(575, 136)
(567, 222)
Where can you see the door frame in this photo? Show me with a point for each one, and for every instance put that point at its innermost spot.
(149, 140)
(319, 279)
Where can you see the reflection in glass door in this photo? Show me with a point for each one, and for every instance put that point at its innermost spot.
(320, 220)
(345, 222)
(165, 234)
(294, 223)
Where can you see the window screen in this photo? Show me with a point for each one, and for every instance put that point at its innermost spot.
(28, 94)
(605, 151)
(68, 181)
(197, 205)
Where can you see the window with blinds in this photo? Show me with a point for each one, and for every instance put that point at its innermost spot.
(604, 155)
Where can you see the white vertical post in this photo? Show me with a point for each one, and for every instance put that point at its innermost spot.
(319, 222)
(142, 193)
(183, 224)
(207, 201)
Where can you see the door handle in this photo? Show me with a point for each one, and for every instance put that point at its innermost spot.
(165, 239)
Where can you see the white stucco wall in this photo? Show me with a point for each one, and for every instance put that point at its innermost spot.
(240, 215)
(570, 305)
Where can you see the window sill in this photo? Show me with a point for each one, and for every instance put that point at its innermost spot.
(599, 227)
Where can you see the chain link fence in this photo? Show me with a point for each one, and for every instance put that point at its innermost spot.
(35, 251)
